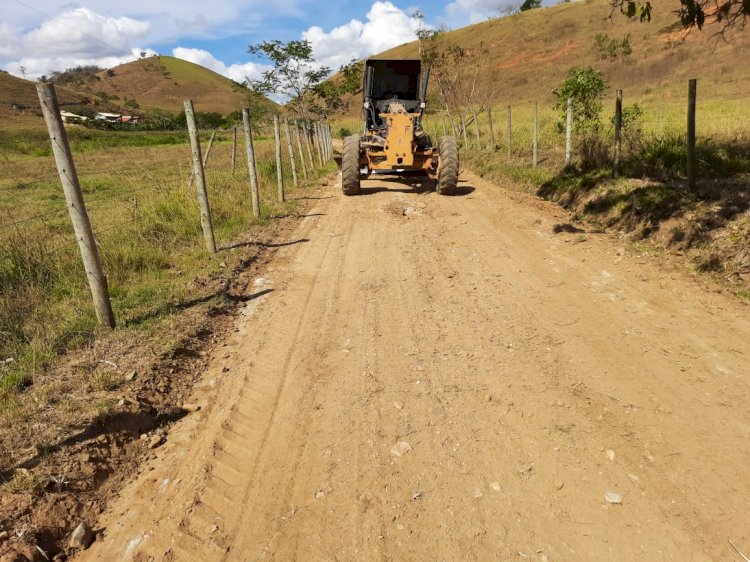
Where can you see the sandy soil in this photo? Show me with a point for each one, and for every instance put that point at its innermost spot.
(421, 377)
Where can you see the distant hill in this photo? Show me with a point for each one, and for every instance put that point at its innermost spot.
(19, 103)
(163, 82)
(530, 53)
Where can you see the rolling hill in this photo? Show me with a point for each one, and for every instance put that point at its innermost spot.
(163, 82)
(19, 103)
(528, 54)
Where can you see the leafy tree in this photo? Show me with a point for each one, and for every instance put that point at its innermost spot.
(294, 75)
(131, 103)
(731, 14)
(585, 86)
(530, 5)
(348, 81)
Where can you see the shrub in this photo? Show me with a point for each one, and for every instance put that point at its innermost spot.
(585, 86)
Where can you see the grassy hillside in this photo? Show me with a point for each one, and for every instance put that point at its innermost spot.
(529, 53)
(164, 82)
(19, 103)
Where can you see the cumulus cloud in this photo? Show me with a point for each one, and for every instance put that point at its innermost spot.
(237, 72)
(477, 10)
(387, 26)
(78, 36)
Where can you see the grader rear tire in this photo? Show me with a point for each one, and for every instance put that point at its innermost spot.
(448, 166)
(350, 166)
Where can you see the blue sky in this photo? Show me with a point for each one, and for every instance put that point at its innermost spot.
(38, 36)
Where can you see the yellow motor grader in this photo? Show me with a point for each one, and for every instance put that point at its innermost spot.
(393, 140)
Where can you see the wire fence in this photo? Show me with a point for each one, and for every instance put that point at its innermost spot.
(144, 214)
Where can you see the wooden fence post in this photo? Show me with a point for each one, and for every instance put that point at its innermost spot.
(252, 171)
(76, 207)
(618, 132)
(329, 139)
(292, 160)
(568, 131)
(200, 179)
(308, 145)
(463, 131)
(205, 158)
(299, 149)
(535, 137)
(492, 130)
(476, 130)
(510, 131)
(234, 148)
(316, 129)
(692, 95)
(279, 170)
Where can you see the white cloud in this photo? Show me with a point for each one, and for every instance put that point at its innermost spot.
(477, 10)
(78, 36)
(237, 72)
(387, 26)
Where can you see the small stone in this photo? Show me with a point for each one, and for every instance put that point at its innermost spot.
(223, 264)
(189, 407)
(495, 486)
(400, 449)
(613, 498)
(225, 369)
(131, 376)
(559, 484)
(4, 535)
(81, 537)
(633, 477)
(398, 405)
(610, 454)
(214, 528)
(155, 441)
(319, 494)
(477, 493)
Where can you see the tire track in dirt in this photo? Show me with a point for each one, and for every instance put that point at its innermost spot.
(531, 372)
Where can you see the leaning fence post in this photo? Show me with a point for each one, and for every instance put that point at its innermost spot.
(535, 137)
(200, 179)
(252, 172)
(476, 130)
(692, 95)
(76, 207)
(492, 130)
(329, 140)
(292, 160)
(463, 131)
(299, 149)
(618, 132)
(568, 131)
(205, 158)
(316, 129)
(279, 171)
(308, 145)
(234, 148)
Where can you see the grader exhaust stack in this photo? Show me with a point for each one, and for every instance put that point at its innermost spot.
(393, 139)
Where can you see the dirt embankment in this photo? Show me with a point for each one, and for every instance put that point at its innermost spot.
(465, 378)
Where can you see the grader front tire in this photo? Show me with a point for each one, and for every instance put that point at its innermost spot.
(350, 166)
(448, 166)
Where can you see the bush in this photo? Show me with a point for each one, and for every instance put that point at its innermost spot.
(344, 132)
(585, 86)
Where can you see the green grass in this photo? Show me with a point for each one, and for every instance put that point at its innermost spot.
(146, 222)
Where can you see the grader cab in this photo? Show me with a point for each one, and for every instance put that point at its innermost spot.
(394, 140)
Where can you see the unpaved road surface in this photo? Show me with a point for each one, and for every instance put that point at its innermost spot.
(420, 377)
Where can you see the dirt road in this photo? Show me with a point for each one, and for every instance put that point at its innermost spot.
(420, 377)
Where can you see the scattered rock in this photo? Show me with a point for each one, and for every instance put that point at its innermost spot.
(319, 494)
(225, 369)
(613, 498)
(155, 441)
(610, 454)
(400, 449)
(398, 405)
(81, 537)
(131, 375)
(416, 494)
(495, 486)
(559, 484)
(189, 407)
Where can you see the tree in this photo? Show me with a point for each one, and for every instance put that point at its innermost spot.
(530, 5)
(731, 14)
(348, 81)
(585, 86)
(22, 70)
(294, 75)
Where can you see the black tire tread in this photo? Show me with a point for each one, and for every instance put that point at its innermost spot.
(350, 180)
(449, 166)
